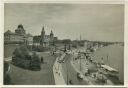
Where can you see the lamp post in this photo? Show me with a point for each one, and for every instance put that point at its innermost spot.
(65, 48)
(67, 73)
(80, 62)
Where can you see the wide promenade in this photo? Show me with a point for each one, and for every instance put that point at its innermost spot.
(57, 71)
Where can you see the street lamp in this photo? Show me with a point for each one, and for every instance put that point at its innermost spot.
(67, 73)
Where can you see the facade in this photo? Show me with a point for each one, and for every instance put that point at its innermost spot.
(12, 37)
(29, 39)
(44, 40)
(20, 30)
(19, 36)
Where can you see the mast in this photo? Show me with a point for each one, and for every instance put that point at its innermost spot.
(80, 63)
(107, 60)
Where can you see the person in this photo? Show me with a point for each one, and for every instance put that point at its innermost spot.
(42, 60)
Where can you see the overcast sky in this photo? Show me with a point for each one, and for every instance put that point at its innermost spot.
(104, 22)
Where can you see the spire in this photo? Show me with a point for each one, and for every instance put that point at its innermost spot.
(20, 26)
(51, 32)
(43, 28)
(43, 31)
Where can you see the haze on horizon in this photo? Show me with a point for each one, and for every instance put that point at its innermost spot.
(96, 22)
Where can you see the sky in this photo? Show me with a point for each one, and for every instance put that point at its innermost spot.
(96, 22)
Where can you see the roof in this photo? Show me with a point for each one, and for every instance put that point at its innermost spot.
(108, 68)
(8, 32)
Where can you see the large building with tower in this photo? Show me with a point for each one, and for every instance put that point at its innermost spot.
(44, 39)
(19, 36)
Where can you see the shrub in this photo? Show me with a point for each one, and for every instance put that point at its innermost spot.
(23, 59)
(35, 62)
(21, 52)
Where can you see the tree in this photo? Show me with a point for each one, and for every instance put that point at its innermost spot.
(35, 62)
(21, 52)
(24, 50)
(22, 58)
(17, 53)
(66, 41)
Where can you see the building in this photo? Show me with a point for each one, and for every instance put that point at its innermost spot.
(19, 36)
(44, 40)
(29, 39)
(20, 30)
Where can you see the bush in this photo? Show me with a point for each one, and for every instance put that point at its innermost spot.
(35, 63)
(23, 59)
(21, 52)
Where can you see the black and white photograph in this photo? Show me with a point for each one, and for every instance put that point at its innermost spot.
(63, 44)
(65, 87)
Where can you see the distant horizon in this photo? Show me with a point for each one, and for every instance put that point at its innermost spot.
(94, 22)
(69, 38)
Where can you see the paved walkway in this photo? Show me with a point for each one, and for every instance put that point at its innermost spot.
(57, 71)
(77, 70)
(84, 67)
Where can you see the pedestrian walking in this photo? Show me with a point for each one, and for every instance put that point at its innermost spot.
(42, 60)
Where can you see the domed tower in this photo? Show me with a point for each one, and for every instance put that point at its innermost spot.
(20, 29)
(42, 36)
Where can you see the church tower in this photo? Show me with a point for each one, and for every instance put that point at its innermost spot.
(51, 36)
(42, 36)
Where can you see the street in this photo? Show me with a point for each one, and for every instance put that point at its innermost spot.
(69, 72)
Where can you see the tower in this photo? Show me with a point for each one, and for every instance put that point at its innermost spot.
(51, 36)
(20, 29)
(42, 36)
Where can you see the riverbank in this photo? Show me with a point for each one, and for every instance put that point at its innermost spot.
(113, 56)
(81, 65)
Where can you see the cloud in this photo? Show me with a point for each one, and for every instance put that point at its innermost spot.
(92, 21)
